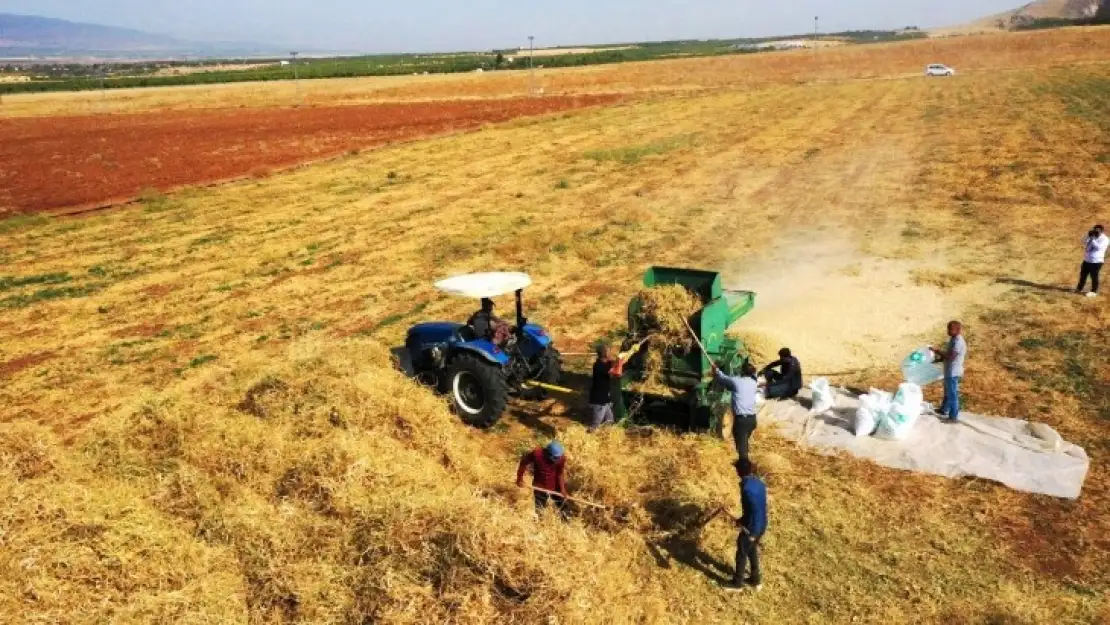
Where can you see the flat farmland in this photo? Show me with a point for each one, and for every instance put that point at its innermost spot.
(981, 54)
(200, 422)
(79, 162)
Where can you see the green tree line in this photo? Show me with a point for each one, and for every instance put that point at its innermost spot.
(123, 76)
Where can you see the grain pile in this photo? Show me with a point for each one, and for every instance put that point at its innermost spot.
(664, 313)
(760, 348)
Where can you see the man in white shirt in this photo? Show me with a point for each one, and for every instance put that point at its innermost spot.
(953, 356)
(743, 389)
(1094, 256)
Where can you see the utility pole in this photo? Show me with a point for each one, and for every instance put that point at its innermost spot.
(103, 73)
(531, 65)
(296, 79)
(816, 29)
(1, 37)
(1, 92)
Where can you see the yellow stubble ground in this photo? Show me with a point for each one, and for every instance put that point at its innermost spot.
(967, 196)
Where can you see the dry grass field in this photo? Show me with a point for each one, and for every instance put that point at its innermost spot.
(200, 422)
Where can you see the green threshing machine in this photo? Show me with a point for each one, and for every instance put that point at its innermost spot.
(694, 403)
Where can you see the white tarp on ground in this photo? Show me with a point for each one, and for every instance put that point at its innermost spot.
(1023, 456)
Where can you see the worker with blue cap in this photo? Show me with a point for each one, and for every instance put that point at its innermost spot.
(548, 482)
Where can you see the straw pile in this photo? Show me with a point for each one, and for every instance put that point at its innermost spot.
(343, 493)
(665, 312)
(324, 488)
(663, 317)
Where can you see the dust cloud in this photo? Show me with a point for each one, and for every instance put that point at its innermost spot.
(839, 310)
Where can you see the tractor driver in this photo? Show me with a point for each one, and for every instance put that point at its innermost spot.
(487, 325)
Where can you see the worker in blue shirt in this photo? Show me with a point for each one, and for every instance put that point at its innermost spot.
(752, 523)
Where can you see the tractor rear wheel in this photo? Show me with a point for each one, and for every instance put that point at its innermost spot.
(550, 371)
(552, 362)
(478, 390)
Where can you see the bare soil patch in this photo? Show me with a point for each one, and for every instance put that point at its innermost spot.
(13, 367)
(92, 161)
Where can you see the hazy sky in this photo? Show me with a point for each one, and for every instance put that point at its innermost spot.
(424, 25)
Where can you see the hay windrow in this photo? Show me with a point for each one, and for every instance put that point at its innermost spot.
(397, 514)
(27, 450)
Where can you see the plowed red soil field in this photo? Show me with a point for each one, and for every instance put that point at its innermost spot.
(73, 163)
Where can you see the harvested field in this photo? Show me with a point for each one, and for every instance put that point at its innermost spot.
(82, 162)
(200, 422)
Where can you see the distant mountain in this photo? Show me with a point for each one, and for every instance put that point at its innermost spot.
(1029, 14)
(46, 34)
(32, 36)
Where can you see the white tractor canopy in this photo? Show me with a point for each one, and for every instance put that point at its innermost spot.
(479, 285)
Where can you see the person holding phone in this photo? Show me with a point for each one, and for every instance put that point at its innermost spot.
(1094, 256)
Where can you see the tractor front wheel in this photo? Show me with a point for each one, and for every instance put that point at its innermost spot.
(478, 390)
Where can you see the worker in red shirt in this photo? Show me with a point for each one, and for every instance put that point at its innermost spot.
(547, 474)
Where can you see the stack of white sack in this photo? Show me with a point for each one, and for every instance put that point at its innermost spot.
(887, 416)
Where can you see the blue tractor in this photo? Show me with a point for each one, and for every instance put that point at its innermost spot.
(477, 367)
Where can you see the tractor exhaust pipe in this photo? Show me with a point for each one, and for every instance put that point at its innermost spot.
(520, 320)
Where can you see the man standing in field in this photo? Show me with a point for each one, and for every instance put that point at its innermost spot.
(752, 523)
(601, 401)
(743, 391)
(548, 466)
(1094, 256)
(953, 356)
(784, 376)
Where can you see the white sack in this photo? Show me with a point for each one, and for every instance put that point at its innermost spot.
(824, 398)
(867, 416)
(920, 369)
(897, 422)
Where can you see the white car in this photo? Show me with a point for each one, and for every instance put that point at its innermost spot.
(936, 69)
